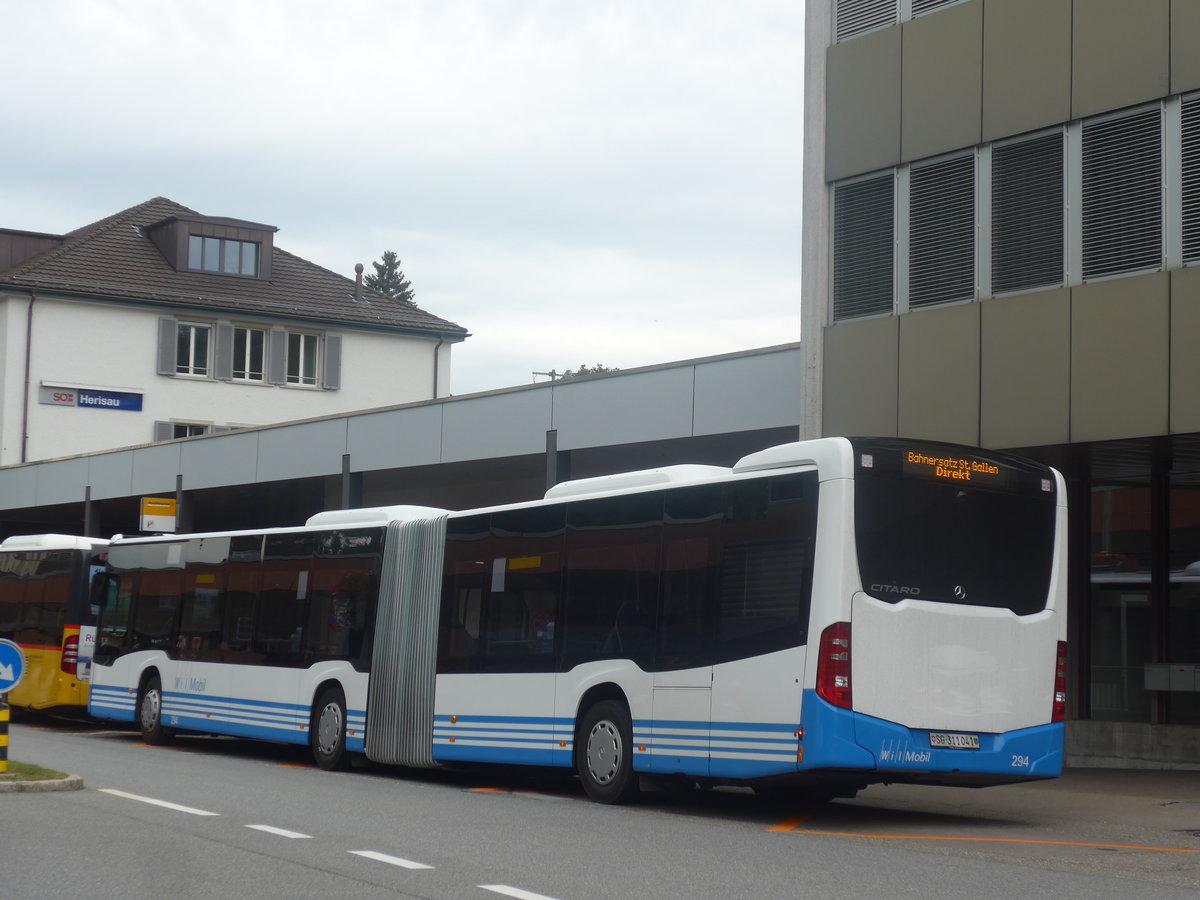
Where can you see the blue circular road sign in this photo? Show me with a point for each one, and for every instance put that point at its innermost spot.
(12, 665)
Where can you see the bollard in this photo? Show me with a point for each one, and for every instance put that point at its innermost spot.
(3, 733)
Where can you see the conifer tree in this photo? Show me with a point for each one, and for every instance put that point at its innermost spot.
(388, 279)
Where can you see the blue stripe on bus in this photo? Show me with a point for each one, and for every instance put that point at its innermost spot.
(117, 704)
(734, 749)
(259, 719)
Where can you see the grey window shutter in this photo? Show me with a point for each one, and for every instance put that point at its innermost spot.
(1191, 179)
(277, 356)
(223, 358)
(1122, 194)
(941, 231)
(168, 329)
(859, 16)
(164, 431)
(221, 429)
(1028, 212)
(921, 7)
(332, 377)
(863, 247)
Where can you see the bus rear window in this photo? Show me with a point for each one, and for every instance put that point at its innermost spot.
(953, 539)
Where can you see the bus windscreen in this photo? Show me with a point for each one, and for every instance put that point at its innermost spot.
(937, 524)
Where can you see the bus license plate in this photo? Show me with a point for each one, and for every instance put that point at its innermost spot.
(953, 741)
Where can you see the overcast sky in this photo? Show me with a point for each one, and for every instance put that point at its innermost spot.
(573, 181)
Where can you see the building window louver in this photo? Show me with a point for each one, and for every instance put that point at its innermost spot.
(863, 247)
(941, 232)
(855, 17)
(1027, 214)
(1191, 179)
(920, 7)
(1122, 194)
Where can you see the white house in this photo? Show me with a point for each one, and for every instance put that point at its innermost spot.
(158, 323)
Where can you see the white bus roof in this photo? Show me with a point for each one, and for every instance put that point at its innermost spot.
(31, 542)
(373, 515)
(624, 481)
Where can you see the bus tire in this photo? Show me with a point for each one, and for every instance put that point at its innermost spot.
(149, 712)
(327, 735)
(604, 753)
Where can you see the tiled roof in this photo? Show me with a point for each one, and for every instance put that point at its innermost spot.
(114, 258)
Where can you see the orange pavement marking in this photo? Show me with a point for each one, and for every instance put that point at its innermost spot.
(790, 826)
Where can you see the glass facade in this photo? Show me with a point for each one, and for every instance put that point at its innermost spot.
(1139, 614)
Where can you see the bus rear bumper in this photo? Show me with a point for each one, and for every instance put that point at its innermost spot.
(898, 753)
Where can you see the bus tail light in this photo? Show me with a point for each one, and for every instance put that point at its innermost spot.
(70, 655)
(1059, 711)
(833, 665)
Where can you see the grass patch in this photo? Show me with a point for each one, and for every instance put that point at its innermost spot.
(19, 771)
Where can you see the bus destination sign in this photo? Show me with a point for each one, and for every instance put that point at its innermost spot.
(961, 468)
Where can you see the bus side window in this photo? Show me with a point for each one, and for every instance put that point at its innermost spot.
(344, 586)
(113, 632)
(200, 622)
(283, 599)
(523, 581)
(156, 613)
(766, 541)
(12, 598)
(683, 640)
(613, 546)
(466, 565)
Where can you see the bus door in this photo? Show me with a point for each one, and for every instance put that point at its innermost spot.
(683, 676)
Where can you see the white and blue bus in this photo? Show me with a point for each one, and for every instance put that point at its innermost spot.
(821, 616)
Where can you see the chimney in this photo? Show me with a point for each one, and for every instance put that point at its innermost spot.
(358, 270)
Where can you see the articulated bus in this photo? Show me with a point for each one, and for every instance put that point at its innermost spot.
(821, 616)
(47, 607)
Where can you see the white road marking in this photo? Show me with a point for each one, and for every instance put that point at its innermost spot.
(162, 803)
(514, 892)
(390, 860)
(282, 832)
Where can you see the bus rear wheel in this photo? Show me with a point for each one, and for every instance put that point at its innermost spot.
(327, 734)
(604, 753)
(149, 712)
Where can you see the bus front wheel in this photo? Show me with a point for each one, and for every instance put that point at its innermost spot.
(604, 754)
(327, 736)
(149, 712)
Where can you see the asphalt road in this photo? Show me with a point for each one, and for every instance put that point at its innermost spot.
(211, 818)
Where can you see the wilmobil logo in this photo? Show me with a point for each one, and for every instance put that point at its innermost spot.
(891, 753)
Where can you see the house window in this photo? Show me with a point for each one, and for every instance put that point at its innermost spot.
(1190, 139)
(301, 358)
(1122, 193)
(249, 350)
(941, 231)
(191, 349)
(863, 247)
(1027, 214)
(855, 17)
(187, 429)
(229, 257)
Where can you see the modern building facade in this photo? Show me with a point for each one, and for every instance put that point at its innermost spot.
(1002, 232)
(158, 322)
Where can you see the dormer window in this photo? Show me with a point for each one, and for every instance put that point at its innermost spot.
(215, 245)
(211, 254)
